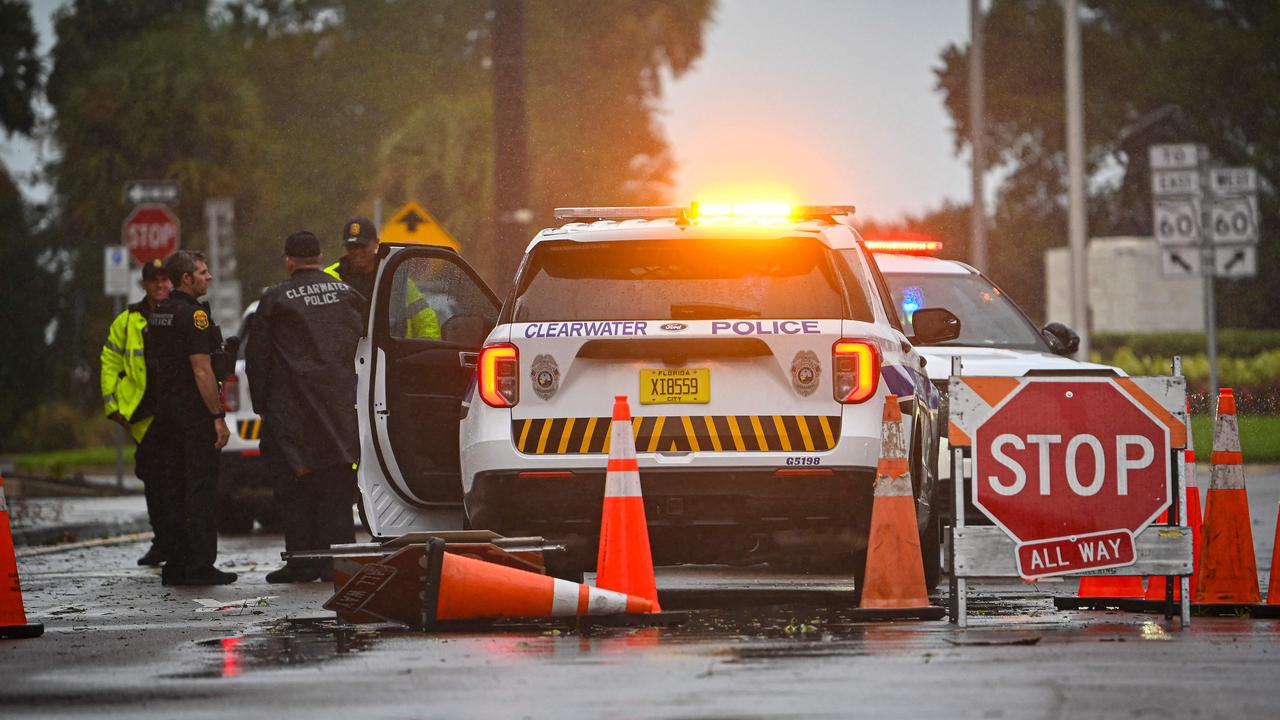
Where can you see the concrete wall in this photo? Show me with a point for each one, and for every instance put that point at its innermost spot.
(1127, 293)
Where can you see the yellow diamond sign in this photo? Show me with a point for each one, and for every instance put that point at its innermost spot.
(413, 225)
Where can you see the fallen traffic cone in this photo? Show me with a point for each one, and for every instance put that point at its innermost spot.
(625, 563)
(1273, 589)
(1194, 520)
(894, 577)
(13, 617)
(423, 584)
(1229, 573)
(472, 589)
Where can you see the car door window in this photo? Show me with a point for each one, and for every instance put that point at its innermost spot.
(434, 299)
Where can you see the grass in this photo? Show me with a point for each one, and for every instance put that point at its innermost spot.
(1259, 437)
(58, 463)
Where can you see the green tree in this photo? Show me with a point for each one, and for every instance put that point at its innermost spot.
(144, 89)
(1193, 71)
(19, 67)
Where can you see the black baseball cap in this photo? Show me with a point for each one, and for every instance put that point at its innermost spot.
(152, 269)
(302, 244)
(359, 231)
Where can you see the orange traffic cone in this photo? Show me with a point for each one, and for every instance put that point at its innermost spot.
(1229, 574)
(1273, 589)
(1194, 520)
(894, 577)
(471, 589)
(13, 617)
(422, 584)
(625, 563)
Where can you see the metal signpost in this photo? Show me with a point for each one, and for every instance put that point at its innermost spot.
(1206, 222)
(224, 295)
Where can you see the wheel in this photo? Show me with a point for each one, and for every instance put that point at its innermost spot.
(930, 544)
(234, 518)
(930, 551)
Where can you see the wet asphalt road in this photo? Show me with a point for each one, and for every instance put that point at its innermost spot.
(119, 645)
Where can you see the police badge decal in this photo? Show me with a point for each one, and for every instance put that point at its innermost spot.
(201, 319)
(805, 371)
(545, 375)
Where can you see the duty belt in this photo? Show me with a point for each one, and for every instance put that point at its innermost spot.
(697, 433)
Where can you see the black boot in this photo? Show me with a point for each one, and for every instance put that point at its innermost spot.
(293, 572)
(208, 576)
(153, 557)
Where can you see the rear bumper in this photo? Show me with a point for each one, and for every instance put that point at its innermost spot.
(703, 515)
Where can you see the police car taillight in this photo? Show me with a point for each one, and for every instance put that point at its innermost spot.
(857, 370)
(498, 374)
(231, 394)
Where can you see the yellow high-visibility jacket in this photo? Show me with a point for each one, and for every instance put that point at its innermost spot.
(124, 367)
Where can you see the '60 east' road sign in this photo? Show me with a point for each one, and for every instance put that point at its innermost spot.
(1072, 470)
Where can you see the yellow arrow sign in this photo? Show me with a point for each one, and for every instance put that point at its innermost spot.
(412, 224)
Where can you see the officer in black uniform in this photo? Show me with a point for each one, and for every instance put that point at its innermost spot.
(300, 359)
(189, 360)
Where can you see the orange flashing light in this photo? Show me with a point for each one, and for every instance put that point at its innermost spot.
(903, 242)
(498, 370)
(857, 370)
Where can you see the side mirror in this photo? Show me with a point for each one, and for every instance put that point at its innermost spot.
(934, 325)
(1062, 339)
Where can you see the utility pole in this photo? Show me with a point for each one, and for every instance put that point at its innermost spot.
(511, 163)
(977, 138)
(1076, 217)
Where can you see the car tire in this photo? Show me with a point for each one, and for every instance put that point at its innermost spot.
(234, 518)
(931, 553)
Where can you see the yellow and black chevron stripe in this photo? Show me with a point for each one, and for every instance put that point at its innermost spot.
(249, 429)
(699, 433)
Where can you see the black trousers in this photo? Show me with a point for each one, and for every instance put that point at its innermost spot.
(190, 487)
(317, 510)
(149, 466)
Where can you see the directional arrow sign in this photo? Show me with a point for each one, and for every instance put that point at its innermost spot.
(1180, 262)
(140, 192)
(414, 225)
(1234, 220)
(1177, 222)
(1235, 261)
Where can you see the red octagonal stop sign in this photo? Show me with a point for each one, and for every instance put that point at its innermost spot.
(150, 232)
(1072, 470)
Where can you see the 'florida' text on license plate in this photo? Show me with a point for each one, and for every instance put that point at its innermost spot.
(675, 385)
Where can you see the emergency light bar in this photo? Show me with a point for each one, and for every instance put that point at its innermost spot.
(709, 212)
(903, 242)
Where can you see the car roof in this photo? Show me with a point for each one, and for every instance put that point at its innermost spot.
(891, 263)
(834, 235)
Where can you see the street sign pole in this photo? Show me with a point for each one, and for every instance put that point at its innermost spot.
(1210, 315)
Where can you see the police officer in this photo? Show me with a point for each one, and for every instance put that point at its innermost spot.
(130, 401)
(359, 267)
(187, 348)
(300, 359)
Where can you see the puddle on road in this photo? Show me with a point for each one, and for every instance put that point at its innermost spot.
(285, 644)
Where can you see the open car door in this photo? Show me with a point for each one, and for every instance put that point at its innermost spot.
(430, 313)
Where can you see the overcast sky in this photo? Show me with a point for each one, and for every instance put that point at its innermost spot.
(824, 101)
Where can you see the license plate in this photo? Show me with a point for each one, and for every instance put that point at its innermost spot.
(676, 385)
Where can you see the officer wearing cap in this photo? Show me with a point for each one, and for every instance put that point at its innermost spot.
(359, 267)
(189, 360)
(300, 359)
(130, 401)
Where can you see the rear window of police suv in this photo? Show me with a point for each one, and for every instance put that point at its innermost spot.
(684, 280)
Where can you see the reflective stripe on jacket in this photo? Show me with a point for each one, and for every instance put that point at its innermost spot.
(124, 369)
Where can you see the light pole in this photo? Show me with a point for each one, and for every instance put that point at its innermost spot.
(1076, 217)
(977, 139)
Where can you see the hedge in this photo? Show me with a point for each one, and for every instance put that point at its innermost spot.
(1233, 342)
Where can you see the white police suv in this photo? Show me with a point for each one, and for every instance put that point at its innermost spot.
(756, 345)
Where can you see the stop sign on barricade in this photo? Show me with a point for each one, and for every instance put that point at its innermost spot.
(1072, 469)
(151, 232)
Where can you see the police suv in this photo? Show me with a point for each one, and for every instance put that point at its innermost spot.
(756, 346)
